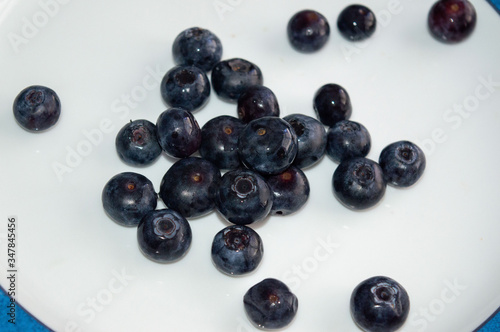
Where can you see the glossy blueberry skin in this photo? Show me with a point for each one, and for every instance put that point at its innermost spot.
(230, 78)
(356, 22)
(197, 47)
(358, 183)
(189, 185)
(256, 102)
(268, 145)
(178, 132)
(311, 138)
(270, 304)
(451, 21)
(243, 197)
(308, 31)
(185, 87)
(219, 141)
(347, 139)
(237, 250)
(137, 144)
(332, 104)
(403, 163)
(290, 191)
(379, 304)
(127, 197)
(37, 108)
(164, 236)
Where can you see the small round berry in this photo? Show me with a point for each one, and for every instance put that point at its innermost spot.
(356, 22)
(451, 21)
(137, 144)
(37, 108)
(197, 47)
(403, 163)
(232, 77)
(308, 31)
(332, 104)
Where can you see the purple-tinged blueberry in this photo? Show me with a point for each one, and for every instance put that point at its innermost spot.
(232, 77)
(256, 102)
(403, 163)
(178, 132)
(137, 144)
(290, 191)
(308, 31)
(197, 47)
(332, 104)
(347, 139)
(451, 21)
(37, 108)
(356, 22)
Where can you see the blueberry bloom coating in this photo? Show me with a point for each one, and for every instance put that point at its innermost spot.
(356, 22)
(178, 132)
(379, 304)
(197, 47)
(164, 236)
(219, 141)
(403, 163)
(243, 197)
(230, 78)
(311, 138)
(358, 183)
(137, 143)
(237, 250)
(451, 21)
(37, 108)
(270, 304)
(268, 145)
(308, 31)
(127, 197)
(332, 104)
(188, 186)
(186, 87)
(347, 139)
(290, 191)
(256, 102)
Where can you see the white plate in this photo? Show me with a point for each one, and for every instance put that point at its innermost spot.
(79, 271)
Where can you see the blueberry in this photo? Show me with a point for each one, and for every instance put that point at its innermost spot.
(451, 21)
(290, 191)
(197, 47)
(379, 304)
(311, 138)
(356, 22)
(243, 197)
(230, 78)
(237, 250)
(267, 145)
(37, 108)
(308, 31)
(178, 132)
(332, 104)
(219, 141)
(188, 186)
(127, 197)
(164, 236)
(270, 304)
(347, 139)
(256, 102)
(358, 183)
(137, 143)
(186, 87)
(403, 163)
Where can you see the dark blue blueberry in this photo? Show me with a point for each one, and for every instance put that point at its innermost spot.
(270, 304)
(379, 304)
(137, 143)
(256, 102)
(358, 183)
(243, 197)
(451, 21)
(197, 47)
(37, 108)
(219, 141)
(230, 78)
(356, 22)
(347, 139)
(237, 250)
(186, 87)
(178, 132)
(332, 104)
(127, 197)
(311, 137)
(188, 186)
(403, 163)
(308, 31)
(268, 145)
(290, 191)
(164, 236)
